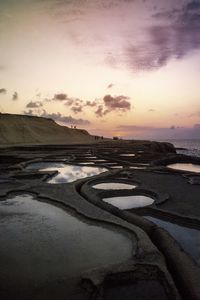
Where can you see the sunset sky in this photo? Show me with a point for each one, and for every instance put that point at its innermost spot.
(126, 68)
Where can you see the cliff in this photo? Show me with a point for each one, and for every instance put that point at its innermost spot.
(22, 129)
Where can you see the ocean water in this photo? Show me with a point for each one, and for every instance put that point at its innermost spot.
(192, 147)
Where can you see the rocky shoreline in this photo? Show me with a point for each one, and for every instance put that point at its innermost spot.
(160, 266)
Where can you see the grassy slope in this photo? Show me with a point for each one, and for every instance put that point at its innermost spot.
(21, 129)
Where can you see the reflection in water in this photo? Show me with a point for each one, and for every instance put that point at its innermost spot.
(185, 167)
(45, 165)
(67, 173)
(116, 167)
(48, 244)
(188, 238)
(99, 160)
(128, 154)
(128, 202)
(137, 167)
(87, 163)
(72, 173)
(114, 186)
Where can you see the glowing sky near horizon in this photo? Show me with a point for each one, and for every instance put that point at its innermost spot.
(115, 67)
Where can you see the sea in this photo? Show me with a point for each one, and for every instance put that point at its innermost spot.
(191, 147)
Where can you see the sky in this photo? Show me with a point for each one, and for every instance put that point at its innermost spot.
(127, 68)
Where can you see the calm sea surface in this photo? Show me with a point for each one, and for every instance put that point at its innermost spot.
(192, 146)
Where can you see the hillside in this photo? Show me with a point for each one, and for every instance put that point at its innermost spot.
(22, 129)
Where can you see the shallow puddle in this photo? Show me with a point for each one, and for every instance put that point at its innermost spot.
(67, 173)
(114, 186)
(137, 167)
(128, 202)
(116, 167)
(45, 165)
(128, 154)
(87, 163)
(99, 160)
(72, 173)
(43, 243)
(188, 238)
(185, 167)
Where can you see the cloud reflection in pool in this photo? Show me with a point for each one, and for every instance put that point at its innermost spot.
(185, 167)
(114, 186)
(128, 154)
(66, 173)
(128, 202)
(71, 173)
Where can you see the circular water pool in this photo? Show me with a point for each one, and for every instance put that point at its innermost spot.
(128, 202)
(114, 186)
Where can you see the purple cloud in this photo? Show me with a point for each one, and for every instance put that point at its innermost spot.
(166, 41)
(117, 103)
(58, 117)
(193, 5)
(35, 104)
(3, 91)
(110, 86)
(15, 96)
(60, 97)
(110, 103)
(77, 109)
(91, 103)
(69, 102)
(99, 112)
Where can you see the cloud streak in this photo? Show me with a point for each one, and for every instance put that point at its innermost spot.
(58, 117)
(148, 132)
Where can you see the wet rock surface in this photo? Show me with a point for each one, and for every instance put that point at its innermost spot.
(150, 263)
